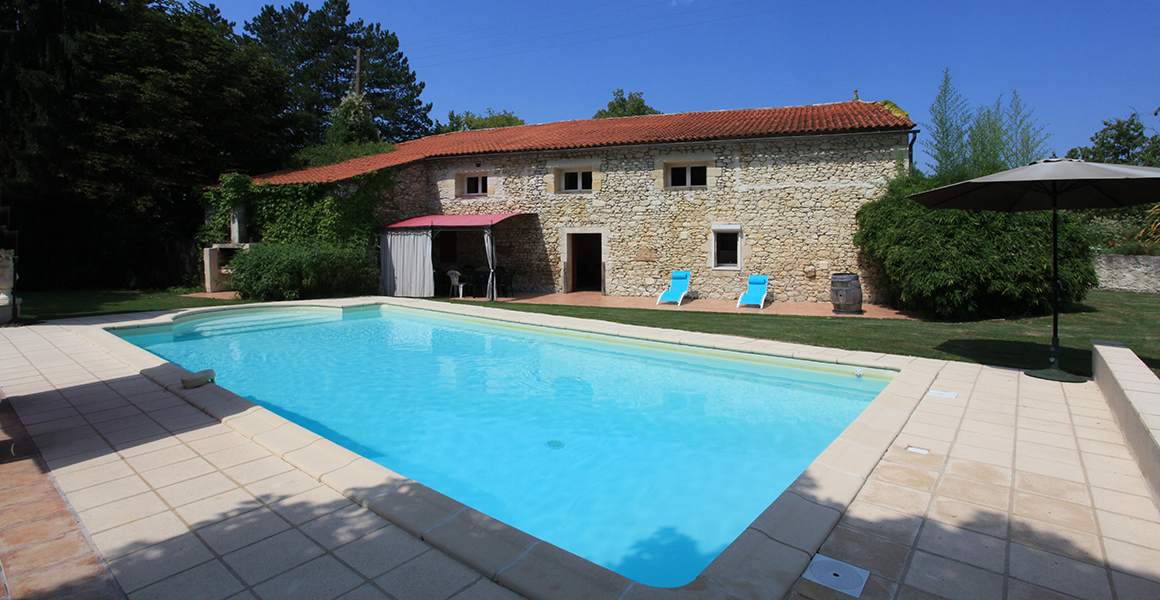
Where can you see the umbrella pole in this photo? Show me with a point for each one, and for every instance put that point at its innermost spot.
(1055, 285)
(1053, 372)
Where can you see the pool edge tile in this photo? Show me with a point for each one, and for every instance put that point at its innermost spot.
(320, 458)
(797, 522)
(363, 480)
(785, 566)
(482, 542)
(415, 507)
(547, 571)
(286, 438)
(255, 422)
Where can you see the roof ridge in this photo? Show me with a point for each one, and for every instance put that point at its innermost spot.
(833, 118)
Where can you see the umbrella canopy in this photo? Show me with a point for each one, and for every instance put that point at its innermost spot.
(1051, 184)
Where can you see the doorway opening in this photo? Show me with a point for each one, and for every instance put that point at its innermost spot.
(584, 250)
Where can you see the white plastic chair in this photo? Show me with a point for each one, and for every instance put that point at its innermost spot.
(456, 282)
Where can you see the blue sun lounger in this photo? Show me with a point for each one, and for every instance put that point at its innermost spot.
(757, 292)
(677, 289)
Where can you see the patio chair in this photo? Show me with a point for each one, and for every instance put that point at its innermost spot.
(757, 291)
(458, 282)
(677, 289)
(503, 282)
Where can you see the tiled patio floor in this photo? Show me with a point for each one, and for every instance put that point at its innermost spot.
(43, 549)
(1025, 490)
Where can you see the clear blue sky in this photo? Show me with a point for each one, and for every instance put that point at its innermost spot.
(1076, 63)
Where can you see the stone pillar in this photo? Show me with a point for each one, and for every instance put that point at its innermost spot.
(9, 304)
(212, 269)
(238, 225)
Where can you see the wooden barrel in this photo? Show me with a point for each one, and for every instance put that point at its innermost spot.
(846, 293)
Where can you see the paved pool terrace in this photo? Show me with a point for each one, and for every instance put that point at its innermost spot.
(960, 481)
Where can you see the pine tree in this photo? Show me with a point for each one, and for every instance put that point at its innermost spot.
(317, 49)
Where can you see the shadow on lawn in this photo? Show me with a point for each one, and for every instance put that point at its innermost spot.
(1018, 354)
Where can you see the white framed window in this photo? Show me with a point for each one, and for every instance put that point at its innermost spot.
(726, 247)
(471, 184)
(474, 184)
(574, 177)
(686, 175)
(576, 181)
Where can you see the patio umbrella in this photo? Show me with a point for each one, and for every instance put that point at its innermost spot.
(1053, 184)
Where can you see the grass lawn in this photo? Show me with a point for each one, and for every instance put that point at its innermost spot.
(1020, 343)
(44, 306)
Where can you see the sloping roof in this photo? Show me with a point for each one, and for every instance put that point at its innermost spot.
(842, 117)
(453, 220)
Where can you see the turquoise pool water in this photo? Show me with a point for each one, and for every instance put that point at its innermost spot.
(641, 459)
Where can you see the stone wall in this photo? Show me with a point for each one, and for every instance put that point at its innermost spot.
(792, 199)
(1127, 273)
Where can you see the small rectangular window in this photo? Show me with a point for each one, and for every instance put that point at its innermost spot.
(476, 184)
(698, 176)
(577, 181)
(685, 175)
(725, 248)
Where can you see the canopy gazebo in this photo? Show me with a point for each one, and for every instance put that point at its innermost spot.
(406, 263)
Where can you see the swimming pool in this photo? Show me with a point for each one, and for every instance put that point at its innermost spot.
(643, 459)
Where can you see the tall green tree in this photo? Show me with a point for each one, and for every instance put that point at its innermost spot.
(987, 141)
(1122, 141)
(1026, 142)
(1125, 142)
(115, 113)
(949, 122)
(318, 50)
(469, 121)
(966, 143)
(626, 106)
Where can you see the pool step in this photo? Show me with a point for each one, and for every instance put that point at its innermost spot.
(250, 323)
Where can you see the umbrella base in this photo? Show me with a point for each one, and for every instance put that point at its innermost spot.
(1054, 374)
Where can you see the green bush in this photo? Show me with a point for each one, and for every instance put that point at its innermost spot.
(1130, 241)
(965, 264)
(302, 270)
(328, 213)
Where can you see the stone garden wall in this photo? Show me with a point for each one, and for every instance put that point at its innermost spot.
(1127, 273)
(793, 200)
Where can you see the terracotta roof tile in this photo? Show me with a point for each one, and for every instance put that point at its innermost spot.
(842, 117)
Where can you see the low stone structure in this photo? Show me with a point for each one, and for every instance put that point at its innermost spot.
(1128, 273)
(9, 304)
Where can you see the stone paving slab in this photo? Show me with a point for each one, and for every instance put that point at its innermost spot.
(1012, 488)
(44, 550)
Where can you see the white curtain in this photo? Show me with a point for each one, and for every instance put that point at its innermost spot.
(406, 264)
(489, 245)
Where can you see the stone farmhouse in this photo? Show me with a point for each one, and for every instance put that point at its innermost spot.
(617, 205)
